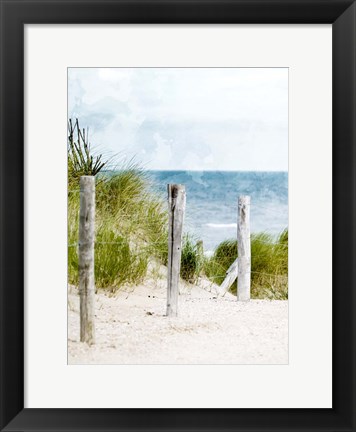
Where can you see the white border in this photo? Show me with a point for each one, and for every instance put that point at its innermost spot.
(306, 381)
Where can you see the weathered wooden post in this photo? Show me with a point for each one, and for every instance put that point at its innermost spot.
(231, 275)
(86, 259)
(244, 249)
(176, 209)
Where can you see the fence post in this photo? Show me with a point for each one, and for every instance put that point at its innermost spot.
(176, 209)
(231, 275)
(86, 259)
(244, 249)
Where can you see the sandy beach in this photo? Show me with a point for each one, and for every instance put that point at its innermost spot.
(131, 328)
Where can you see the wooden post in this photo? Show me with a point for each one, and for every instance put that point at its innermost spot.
(176, 209)
(230, 278)
(86, 259)
(244, 249)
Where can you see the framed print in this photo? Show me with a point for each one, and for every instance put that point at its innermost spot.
(119, 303)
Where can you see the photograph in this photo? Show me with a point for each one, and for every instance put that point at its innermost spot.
(177, 211)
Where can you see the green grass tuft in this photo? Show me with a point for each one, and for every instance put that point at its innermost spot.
(130, 225)
(191, 260)
(81, 160)
(269, 265)
(116, 261)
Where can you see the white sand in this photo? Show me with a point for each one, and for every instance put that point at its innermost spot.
(131, 328)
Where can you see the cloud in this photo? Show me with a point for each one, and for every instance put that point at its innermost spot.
(186, 118)
(163, 151)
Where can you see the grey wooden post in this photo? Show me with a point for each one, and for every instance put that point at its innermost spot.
(231, 275)
(176, 209)
(244, 249)
(86, 259)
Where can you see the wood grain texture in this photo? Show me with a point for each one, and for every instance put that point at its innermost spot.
(244, 249)
(231, 275)
(176, 210)
(86, 259)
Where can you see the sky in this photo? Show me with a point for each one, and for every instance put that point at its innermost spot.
(230, 119)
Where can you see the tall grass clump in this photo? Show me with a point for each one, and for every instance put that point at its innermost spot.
(126, 200)
(191, 259)
(269, 265)
(116, 261)
(81, 160)
(72, 227)
(131, 227)
(216, 266)
(130, 222)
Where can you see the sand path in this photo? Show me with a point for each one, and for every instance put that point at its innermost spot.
(131, 329)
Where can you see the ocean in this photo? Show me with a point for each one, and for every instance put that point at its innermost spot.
(211, 206)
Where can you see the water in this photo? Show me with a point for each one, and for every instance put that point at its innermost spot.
(211, 210)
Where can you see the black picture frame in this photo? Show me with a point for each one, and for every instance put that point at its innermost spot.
(14, 15)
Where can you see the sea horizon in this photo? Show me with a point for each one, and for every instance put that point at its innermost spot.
(211, 209)
(211, 195)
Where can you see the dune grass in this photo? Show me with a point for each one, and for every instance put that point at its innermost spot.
(269, 265)
(192, 259)
(81, 160)
(130, 228)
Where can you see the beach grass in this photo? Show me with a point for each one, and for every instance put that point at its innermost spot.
(191, 260)
(269, 265)
(130, 228)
